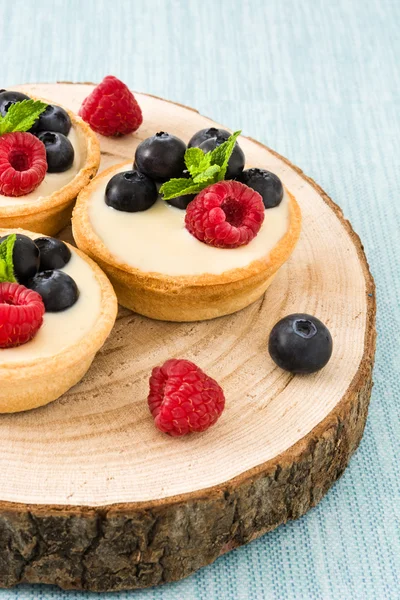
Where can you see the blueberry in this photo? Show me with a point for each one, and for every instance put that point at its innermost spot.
(59, 151)
(131, 191)
(182, 201)
(300, 343)
(204, 134)
(267, 184)
(161, 156)
(25, 257)
(7, 99)
(54, 118)
(58, 290)
(54, 254)
(236, 161)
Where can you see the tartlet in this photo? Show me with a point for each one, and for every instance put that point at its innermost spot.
(52, 212)
(44, 368)
(176, 297)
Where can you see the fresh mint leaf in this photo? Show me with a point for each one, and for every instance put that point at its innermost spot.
(196, 161)
(208, 175)
(21, 116)
(204, 169)
(179, 187)
(221, 154)
(174, 186)
(6, 259)
(193, 157)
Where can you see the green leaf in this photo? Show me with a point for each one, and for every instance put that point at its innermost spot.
(21, 116)
(221, 155)
(174, 186)
(179, 187)
(193, 157)
(6, 259)
(196, 161)
(205, 169)
(208, 175)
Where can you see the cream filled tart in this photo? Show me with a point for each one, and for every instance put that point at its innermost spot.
(158, 257)
(56, 310)
(54, 159)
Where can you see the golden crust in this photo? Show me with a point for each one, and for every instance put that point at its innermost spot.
(43, 380)
(50, 214)
(186, 297)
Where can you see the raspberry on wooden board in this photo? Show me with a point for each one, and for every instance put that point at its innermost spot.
(183, 399)
(111, 109)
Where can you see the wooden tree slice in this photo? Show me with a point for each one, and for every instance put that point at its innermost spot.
(92, 496)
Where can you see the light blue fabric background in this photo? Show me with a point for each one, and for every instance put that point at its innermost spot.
(318, 80)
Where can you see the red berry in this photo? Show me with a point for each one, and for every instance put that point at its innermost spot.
(23, 163)
(183, 398)
(111, 109)
(227, 214)
(21, 314)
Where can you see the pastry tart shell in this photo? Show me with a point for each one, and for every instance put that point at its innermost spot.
(50, 214)
(43, 380)
(187, 297)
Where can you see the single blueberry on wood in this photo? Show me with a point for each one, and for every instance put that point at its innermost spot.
(300, 343)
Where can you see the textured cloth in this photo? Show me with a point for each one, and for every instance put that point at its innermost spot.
(319, 82)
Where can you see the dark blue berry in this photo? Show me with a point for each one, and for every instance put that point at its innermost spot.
(54, 254)
(182, 201)
(57, 289)
(131, 191)
(236, 161)
(267, 184)
(7, 99)
(25, 257)
(54, 118)
(204, 134)
(161, 156)
(300, 343)
(59, 151)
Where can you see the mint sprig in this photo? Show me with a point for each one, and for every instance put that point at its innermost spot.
(207, 174)
(204, 169)
(21, 116)
(196, 161)
(221, 154)
(179, 187)
(6, 259)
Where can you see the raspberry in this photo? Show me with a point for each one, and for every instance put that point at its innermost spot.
(23, 163)
(183, 398)
(111, 109)
(21, 314)
(227, 214)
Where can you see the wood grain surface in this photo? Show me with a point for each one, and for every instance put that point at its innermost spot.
(92, 496)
